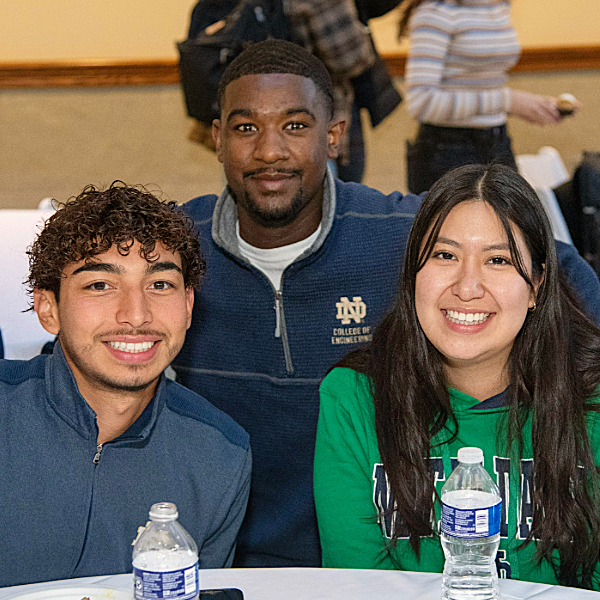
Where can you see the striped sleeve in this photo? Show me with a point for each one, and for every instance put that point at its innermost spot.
(441, 85)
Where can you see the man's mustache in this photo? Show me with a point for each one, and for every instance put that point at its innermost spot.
(271, 171)
(134, 333)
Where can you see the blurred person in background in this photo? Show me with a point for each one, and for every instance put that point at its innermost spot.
(456, 73)
(337, 33)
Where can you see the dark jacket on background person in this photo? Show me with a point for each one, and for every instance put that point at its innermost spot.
(374, 89)
(260, 356)
(72, 509)
(332, 31)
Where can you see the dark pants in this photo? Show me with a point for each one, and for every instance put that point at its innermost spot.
(437, 150)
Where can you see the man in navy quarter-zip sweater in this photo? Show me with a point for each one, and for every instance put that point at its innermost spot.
(94, 434)
(300, 268)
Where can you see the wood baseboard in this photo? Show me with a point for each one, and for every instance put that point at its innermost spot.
(532, 59)
(87, 73)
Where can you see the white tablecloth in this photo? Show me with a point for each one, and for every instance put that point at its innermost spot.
(322, 584)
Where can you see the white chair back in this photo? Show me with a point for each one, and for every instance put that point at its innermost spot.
(545, 171)
(22, 333)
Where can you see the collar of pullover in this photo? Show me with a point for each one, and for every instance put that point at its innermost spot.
(463, 402)
(64, 398)
(225, 219)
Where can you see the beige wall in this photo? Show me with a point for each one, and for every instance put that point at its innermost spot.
(57, 30)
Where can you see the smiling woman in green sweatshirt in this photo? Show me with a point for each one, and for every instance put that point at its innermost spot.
(484, 346)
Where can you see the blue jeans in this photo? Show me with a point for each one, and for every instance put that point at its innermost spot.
(437, 150)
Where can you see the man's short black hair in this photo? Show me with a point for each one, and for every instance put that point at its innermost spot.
(279, 56)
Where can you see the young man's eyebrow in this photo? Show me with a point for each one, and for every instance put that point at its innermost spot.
(163, 265)
(99, 267)
(245, 112)
(300, 111)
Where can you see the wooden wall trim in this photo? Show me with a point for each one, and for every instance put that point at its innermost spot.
(559, 59)
(532, 59)
(85, 73)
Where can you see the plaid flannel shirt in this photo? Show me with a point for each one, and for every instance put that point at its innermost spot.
(331, 30)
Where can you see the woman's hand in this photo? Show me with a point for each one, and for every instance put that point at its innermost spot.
(533, 108)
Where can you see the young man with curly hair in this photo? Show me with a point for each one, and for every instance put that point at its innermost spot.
(94, 434)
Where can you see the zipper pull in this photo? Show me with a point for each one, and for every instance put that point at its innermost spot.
(277, 314)
(97, 455)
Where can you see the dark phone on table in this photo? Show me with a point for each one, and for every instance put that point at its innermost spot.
(225, 594)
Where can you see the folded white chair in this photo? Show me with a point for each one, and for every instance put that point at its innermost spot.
(545, 171)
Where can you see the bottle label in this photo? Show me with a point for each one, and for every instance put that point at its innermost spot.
(471, 523)
(181, 584)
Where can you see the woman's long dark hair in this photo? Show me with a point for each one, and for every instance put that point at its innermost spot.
(553, 368)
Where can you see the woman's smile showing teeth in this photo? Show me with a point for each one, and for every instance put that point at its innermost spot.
(461, 318)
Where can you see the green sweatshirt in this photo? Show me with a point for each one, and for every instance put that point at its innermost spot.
(351, 486)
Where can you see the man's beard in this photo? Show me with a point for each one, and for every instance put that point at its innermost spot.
(274, 218)
(131, 385)
(118, 386)
(137, 381)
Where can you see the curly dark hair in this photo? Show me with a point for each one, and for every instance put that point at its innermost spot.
(96, 220)
(279, 56)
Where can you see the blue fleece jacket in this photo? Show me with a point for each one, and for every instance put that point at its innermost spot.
(63, 516)
(260, 356)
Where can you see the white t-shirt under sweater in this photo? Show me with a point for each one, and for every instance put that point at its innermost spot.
(273, 261)
(458, 62)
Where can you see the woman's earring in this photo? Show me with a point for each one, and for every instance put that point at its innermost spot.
(532, 308)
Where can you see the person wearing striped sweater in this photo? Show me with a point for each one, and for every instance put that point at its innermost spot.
(456, 72)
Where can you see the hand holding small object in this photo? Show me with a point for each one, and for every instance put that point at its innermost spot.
(533, 108)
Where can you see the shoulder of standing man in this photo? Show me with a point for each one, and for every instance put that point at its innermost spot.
(582, 278)
(200, 208)
(349, 196)
(359, 197)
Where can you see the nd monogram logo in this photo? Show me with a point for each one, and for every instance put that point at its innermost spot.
(348, 310)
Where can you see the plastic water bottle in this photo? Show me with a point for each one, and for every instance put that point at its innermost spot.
(165, 558)
(470, 530)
